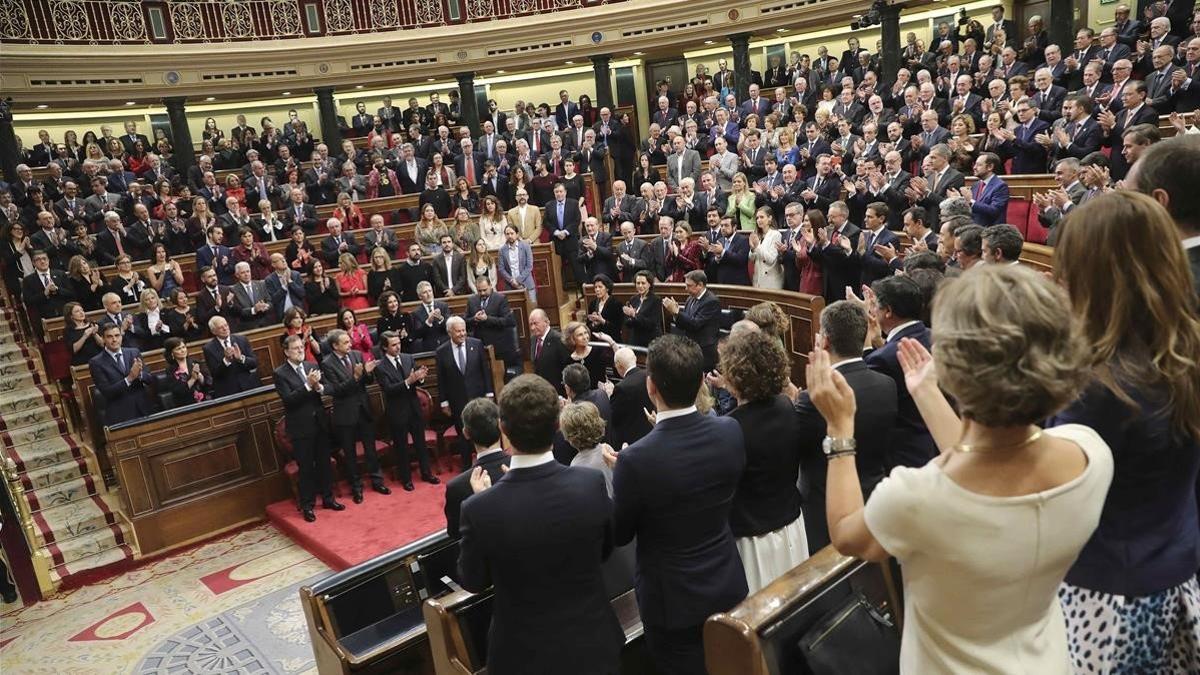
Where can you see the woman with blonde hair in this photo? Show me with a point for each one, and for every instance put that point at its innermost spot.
(741, 203)
(352, 283)
(962, 146)
(765, 518)
(1134, 584)
(463, 230)
(986, 531)
(381, 276)
(150, 325)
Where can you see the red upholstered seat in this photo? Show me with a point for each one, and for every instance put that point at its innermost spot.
(290, 468)
(57, 358)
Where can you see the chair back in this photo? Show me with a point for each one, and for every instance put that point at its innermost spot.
(282, 441)
(426, 403)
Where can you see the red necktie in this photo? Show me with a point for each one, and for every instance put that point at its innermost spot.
(469, 170)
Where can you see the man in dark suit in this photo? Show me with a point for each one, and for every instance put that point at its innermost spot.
(491, 321)
(839, 256)
(46, 290)
(619, 207)
(699, 319)
(284, 287)
(230, 360)
(822, 189)
(398, 377)
(941, 179)
(1136, 111)
(212, 299)
(337, 243)
(299, 386)
(989, 196)
(347, 376)
(632, 254)
(251, 301)
(469, 164)
(215, 254)
(428, 320)
(688, 565)
(449, 269)
(729, 255)
(481, 426)
(875, 236)
(562, 222)
(628, 400)
(565, 110)
(411, 170)
(1029, 156)
(121, 378)
(464, 372)
(301, 214)
(595, 252)
(1009, 27)
(1167, 170)
(551, 607)
(844, 328)
(898, 303)
(547, 351)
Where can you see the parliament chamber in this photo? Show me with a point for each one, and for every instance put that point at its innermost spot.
(322, 320)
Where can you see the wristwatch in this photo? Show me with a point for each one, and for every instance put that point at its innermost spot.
(837, 447)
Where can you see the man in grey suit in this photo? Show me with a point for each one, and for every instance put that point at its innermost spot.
(619, 207)
(251, 300)
(381, 237)
(450, 269)
(285, 287)
(631, 253)
(683, 163)
(724, 163)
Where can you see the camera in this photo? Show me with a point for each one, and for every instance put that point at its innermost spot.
(872, 17)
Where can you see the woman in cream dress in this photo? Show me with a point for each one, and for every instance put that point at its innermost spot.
(764, 251)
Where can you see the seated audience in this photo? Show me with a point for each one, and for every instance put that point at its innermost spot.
(182, 376)
(765, 516)
(1006, 355)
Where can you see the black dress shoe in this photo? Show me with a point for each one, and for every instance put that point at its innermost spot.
(358, 498)
(408, 486)
(381, 488)
(309, 516)
(431, 479)
(332, 505)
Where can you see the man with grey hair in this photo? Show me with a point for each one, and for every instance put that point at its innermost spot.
(251, 300)
(464, 372)
(628, 399)
(347, 375)
(940, 180)
(230, 359)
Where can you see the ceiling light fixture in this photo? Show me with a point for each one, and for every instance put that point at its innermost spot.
(130, 102)
(42, 106)
(286, 93)
(210, 98)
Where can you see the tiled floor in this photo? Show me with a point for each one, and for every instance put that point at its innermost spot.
(229, 606)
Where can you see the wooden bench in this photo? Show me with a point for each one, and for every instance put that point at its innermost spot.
(268, 349)
(760, 635)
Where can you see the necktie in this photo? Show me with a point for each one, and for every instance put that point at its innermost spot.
(120, 246)
(45, 279)
(461, 356)
(346, 363)
(119, 358)
(250, 293)
(537, 349)
(300, 371)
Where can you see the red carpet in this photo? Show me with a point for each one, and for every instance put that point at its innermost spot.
(381, 523)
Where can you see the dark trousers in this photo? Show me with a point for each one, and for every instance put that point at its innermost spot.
(363, 432)
(401, 428)
(312, 459)
(677, 651)
(570, 256)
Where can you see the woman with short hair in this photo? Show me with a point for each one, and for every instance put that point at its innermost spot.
(150, 325)
(182, 376)
(986, 531)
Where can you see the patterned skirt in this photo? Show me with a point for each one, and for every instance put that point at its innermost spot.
(1117, 635)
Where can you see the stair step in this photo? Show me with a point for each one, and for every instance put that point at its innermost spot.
(15, 376)
(45, 476)
(29, 398)
(78, 518)
(44, 453)
(78, 548)
(34, 434)
(62, 493)
(111, 556)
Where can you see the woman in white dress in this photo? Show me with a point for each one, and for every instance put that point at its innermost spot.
(491, 223)
(764, 250)
(986, 531)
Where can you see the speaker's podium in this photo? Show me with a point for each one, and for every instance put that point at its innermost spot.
(367, 619)
(830, 614)
(458, 629)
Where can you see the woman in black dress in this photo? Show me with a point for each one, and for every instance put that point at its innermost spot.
(381, 277)
(299, 253)
(644, 173)
(81, 336)
(572, 181)
(87, 286)
(180, 318)
(150, 325)
(127, 283)
(541, 186)
(182, 376)
(643, 312)
(604, 311)
(321, 291)
(577, 338)
(392, 318)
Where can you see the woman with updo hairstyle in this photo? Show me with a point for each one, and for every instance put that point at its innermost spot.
(1118, 257)
(986, 531)
(583, 428)
(765, 518)
(771, 320)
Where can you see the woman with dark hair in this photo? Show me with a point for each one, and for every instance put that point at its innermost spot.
(253, 253)
(393, 318)
(299, 253)
(518, 180)
(808, 247)
(211, 132)
(604, 313)
(136, 161)
(590, 114)
(464, 197)
(765, 517)
(15, 259)
(87, 285)
(541, 186)
(81, 336)
(182, 376)
(686, 254)
(164, 274)
(622, 146)
(179, 316)
(295, 322)
(321, 291)
(643, 312)
(572, 180)
(126, 282)
(644, 172)
(360, 335)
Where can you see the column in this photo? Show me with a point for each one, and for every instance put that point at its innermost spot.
(741, 64)
(467, 101)
(604, 92)
(181, 135)
(1061, 24)
(331, 134)
(889, 31)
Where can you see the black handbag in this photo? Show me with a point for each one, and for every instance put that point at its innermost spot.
(856, 637)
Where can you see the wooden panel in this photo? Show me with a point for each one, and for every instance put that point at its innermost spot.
(135, 488)
(182, 472)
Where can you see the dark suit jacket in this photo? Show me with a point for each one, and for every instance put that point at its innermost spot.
(875, 267)
(458, 266)
(235, 377)
(399, 399)
(477, 160)
(277, 292)
(874, 418)
(570, 223)
(688, 565)
(550, 606)
(601, 260)
(767, 498)
(429, 336)
(731, 267)
(459, 487)
(205, 258)
(307, 220)
(1029, 156)
(457, 387)
(629, 401)
(841, 269)
(123, 400)
(350, 404)
(33, 293)
(496, 329)
(1118, 166)
(911, 443)
(991, 205)
(555, 356)
(646, 323)
(829, 192)
(700, 319)
(304, 414)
